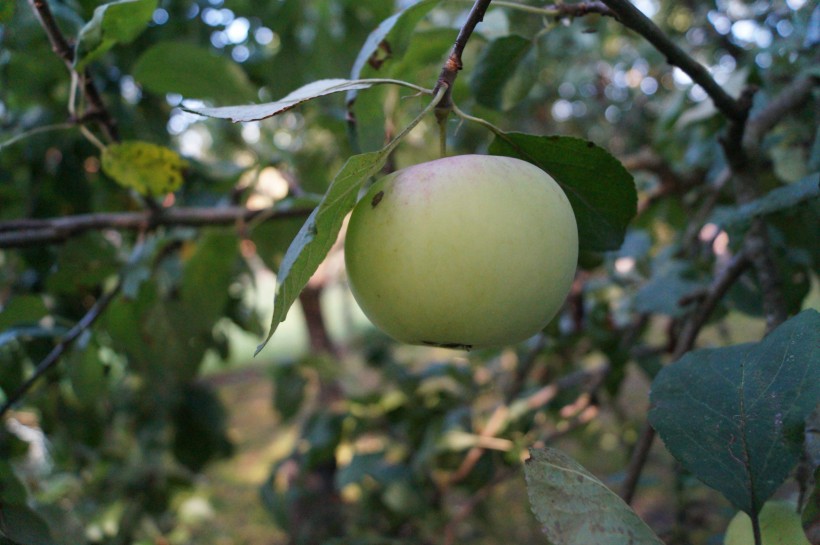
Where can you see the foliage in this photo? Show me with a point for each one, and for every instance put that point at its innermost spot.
(138, 227)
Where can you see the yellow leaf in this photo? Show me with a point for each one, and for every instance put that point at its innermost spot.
(146, 167)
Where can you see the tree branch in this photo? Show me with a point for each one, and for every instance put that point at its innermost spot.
(98, 111)
(54, 356)
(30, 232)
(790, 98)
(453, 64)
(631, 17)
(741, 145)
(685, 342)
(578, 9)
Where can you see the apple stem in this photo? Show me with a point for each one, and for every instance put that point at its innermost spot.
(442, 137)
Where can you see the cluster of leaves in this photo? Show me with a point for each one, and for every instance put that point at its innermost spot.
(400, 449)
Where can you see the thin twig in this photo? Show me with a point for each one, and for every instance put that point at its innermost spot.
(63, 49)
(54, 356)
(632, 18)
(30, 232)
(790, 98)
(685, 342)
(453, 64)
(740, 145)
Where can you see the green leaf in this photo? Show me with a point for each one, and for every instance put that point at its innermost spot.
(575, 508)
(600, 189)
(6, 11)
(145, 167)
(496, 70)
(113, 23)
(255, 112)
(670, 282)
(23, 526)
(734, 416)
(83, 263)
(12, 490)
(193, 72)
(22, 310)
(319, 232)
(201, 424)
(288, 390)
(388, 41)
(88, 375)
(781, 198)
(207, 274)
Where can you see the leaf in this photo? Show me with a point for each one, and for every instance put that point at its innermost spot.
(575, 508)
(193, 72)
(113, 23)
(6, 12)
(23, 526)
(781, 198)
(22, 309)
(600, 189)
(12, 490)
(496, 67)
(734, 416)
(201, 424)
(670, 282)
(388, 40)
(255, 112)
(83, 263)
(319, 232)
(145, 167)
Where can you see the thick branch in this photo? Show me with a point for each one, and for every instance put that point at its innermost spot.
(30, 232)
(54, 356)
(453, 64)
(632, 18)
(98, 112)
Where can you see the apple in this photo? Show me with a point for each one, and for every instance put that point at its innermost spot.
(462, 252)
(779, 525)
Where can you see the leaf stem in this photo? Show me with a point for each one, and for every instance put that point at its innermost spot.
(756, 529)
(483, 122)
(61, 47)
(35, 131)
(91, 138)
(437, 98)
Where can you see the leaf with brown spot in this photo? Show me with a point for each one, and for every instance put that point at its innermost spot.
(575, 508)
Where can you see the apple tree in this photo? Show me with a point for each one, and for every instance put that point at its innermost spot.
(176, 180)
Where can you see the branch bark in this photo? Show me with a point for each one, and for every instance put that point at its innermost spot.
(98, 111)
(31, 232)
(453, 64)
(632, 18)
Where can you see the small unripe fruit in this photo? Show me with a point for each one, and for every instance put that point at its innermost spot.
(462, 252)
(779, 525)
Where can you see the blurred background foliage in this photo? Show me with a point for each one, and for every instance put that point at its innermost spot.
(158, 427)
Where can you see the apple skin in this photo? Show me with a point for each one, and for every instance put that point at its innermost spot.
(780, 524)
(462, 252)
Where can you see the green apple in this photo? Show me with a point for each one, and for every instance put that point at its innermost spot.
(779, 525)
(462, 252)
